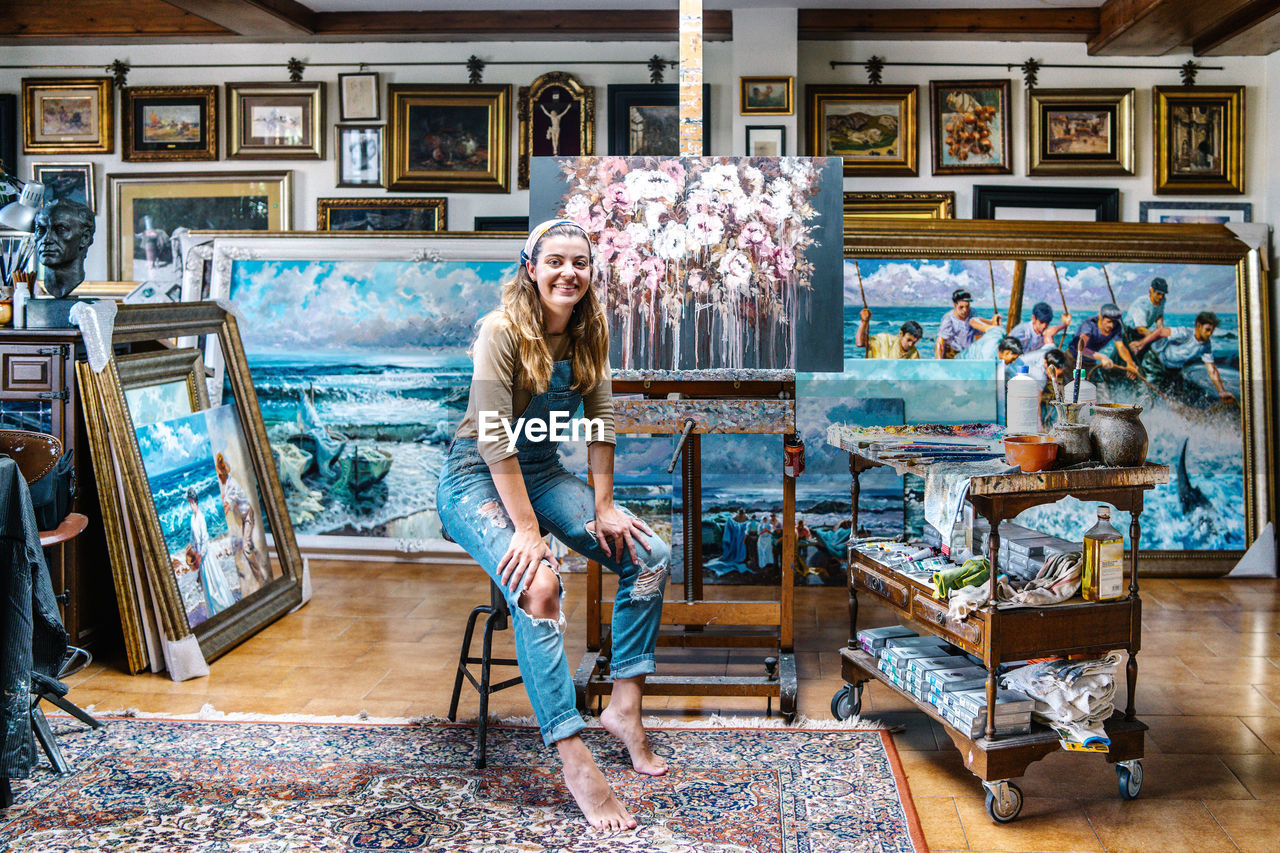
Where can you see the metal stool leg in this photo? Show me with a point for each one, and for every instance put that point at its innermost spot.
(44, 734)
(486, 662)
(463, 657)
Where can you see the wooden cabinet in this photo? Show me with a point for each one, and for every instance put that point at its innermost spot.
(38, 392)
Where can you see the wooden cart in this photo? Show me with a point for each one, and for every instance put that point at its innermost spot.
(998, 635)
(690, 404)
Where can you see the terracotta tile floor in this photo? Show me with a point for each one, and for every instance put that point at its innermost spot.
(383, 638)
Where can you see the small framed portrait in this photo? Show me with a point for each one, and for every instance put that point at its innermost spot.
(766, 96)
(1198, 212)
(872, 127)
(644, 119)
(557, 119)
(359, 154)
(1080, 131)
(392, 215)
(72, 181)
(1199, 139)
(358, 97)
(275, 121)
(449, 138)
(169, 123)
(969, 124)
(68, 116)
(766, 140)
(1055, 204)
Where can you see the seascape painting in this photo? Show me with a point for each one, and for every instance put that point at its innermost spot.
(206, 499)
(163, 401)
(359, 358)
(708, 262)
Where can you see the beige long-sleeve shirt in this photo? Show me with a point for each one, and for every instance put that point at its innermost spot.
(495, 387)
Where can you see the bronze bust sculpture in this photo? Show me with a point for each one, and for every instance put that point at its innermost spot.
(63, 233)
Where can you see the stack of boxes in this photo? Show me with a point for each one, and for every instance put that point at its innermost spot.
(934, 671)
(1022, 550)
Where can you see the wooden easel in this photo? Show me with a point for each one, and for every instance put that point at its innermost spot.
(761, 406)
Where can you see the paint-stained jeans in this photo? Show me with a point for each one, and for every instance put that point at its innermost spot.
(472, 512)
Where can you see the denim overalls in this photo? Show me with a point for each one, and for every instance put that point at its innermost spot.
(472, 513)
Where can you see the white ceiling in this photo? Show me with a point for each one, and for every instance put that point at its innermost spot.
(549, 5)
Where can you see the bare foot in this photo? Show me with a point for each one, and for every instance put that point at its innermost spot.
(627, 728)
(589, 788)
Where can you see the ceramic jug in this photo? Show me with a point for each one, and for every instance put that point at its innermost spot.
(1118, 437)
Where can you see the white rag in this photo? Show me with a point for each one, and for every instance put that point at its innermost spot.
(1057, 581)
(1074, 696)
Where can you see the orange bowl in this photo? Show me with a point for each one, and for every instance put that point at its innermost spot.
(1031, 453)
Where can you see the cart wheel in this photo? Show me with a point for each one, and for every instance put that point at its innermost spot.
(1130, 773)
(847, 702)
(1006, 807)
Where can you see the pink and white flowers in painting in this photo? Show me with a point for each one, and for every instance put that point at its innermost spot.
(713, 245)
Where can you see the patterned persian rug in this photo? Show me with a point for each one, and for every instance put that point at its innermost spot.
(168, 785)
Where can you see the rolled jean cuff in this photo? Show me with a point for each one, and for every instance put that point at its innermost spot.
(631, 667)
(566, 725)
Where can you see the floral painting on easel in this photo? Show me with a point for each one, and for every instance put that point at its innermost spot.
(709, 262)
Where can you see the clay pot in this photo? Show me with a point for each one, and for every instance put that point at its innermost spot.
(1030, 453)
(1074, 445)
(1118, 437)
(1072, 413)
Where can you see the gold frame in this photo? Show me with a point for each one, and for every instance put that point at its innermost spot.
(1040, 101)
(907, 165)
(324, 206)
(584, 96)
(238, 146)
(207, 94)
(135, 371)
(937, 133)
(220, 632)
(789, 83)
(124, 189)
(903, 205)
(495, 179)
(104, 141)
(337, 154)
(1105, 242)
(60, 165)
(1230, 177)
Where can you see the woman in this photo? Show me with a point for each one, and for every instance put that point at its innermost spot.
(545, 350)
(217, 593)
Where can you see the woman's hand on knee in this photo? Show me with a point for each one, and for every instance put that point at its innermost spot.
(613, 526)
(527, 550)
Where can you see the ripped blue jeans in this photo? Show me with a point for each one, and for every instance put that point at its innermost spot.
(472, 512)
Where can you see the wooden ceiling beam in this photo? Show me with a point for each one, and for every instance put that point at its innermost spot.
(589, 25)
(60, 21)
(1061, 24)
(1252, 30)
(265, 19)
(1156, 27)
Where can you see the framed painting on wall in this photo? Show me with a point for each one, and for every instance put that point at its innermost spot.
(1080, 131)
(557, 118)
(169, 123)
(362, 369)
(1195, 211)
(9, 131)
(358, 96)
(1062, 204)
(68, 116)
(386, 214)
(766, 140)
(644, 119)
(449, 138)
(872, 127)
(359, 158)
(766, 96)
(969, 123)
(275, 121)
(903, 205)
(1217, 441)
(66, 180)
(150, 215)
(1199, 139)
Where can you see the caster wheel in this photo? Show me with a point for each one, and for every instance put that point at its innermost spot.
(788, 718)
(847, 702)
(1005, 809)
(1130, 778)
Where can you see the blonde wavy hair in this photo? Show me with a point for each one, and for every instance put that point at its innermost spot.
(588, 328)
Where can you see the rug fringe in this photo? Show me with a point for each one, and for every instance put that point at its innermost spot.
(208, 713)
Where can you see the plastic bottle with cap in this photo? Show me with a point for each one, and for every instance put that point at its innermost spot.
(1088, 394)
(1022, 413)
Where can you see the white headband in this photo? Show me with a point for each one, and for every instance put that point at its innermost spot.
(526, 254)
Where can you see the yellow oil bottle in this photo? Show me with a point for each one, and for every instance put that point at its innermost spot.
(1103, 577)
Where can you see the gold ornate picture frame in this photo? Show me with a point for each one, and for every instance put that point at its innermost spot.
(1199, 139)
(401, 216)
(449, 138)
(169, 123)
(557, 119)
(900, 205)
(766, 96)
(969, 124)
(68, 115)
(872, 127)
(275, 121)
(1080, 132)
